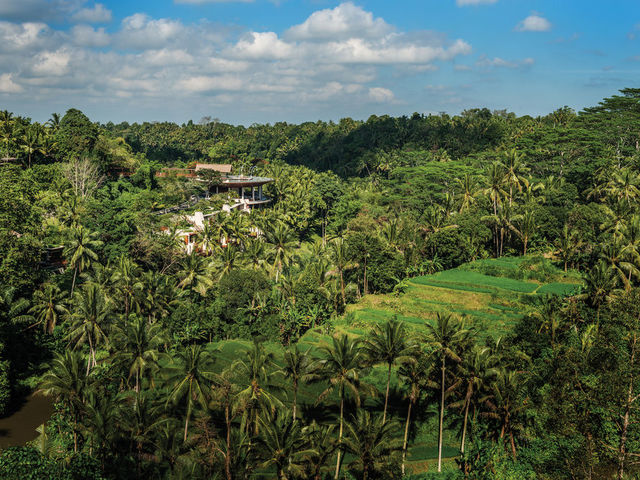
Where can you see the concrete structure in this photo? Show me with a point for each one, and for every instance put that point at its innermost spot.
(245, 192)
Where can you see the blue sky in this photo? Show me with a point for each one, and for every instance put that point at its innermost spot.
(267, 60)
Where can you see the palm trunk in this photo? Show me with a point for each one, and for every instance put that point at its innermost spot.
(627, 413)
(441, 418)
(406, 436)
(186, 422)
(344, 298)
(227, 457)
(295, 400)
(73, 283)
(464, 427)
(386, 397)
(340, 437)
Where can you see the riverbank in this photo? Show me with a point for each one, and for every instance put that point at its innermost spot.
(20, 427)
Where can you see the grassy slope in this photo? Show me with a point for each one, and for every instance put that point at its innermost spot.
(490, 303)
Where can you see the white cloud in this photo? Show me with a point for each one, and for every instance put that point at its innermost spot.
(97, 14)
(534, 23)
(486, 62)
(380, 95)
(52, 63)
(336, 57)
(22, 37)
(343, 22)
(87, 36)
(7, 85)
(139, 31)
(463, 3)
(264, 45)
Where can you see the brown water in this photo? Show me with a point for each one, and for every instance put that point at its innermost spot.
(20, 426)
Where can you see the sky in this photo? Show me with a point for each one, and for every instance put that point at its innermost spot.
(264, 61)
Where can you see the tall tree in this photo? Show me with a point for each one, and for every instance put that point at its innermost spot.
(67, 381)
(188, 376)
(81, 251)
(90, 315)
(48, 304)
(339, 365)
(388, 343)
(137, 347)
(298, 366)
(446, 338)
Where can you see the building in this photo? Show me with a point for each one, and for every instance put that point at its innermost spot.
(245, 192)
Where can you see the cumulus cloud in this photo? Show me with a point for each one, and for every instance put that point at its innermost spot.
(96, 14)
(343, 22)
(334, 57)
(264, 45)
(534, 23)
(463, 3)
(87, 36)
(380, 95)
(7, 85)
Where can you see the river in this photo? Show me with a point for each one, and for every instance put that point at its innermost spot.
(20, 426)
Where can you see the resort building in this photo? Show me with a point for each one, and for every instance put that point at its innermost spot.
(245, 192)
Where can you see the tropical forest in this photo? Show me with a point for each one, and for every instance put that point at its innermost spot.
(429, 296)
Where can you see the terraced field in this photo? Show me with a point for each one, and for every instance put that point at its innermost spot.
(489, 302)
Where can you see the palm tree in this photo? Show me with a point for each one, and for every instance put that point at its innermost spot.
(48, 304)
(253, 253)
(281, 443)
(125, 280)
(100, 422)
(342, 263)
(54, 122)
(445, 337)
(323, 444)
(474, 373)
(31, 140)
(415, 374)
(524, 227)
(66, 380)
(298, 366)
(568, 243)
(81, 251)
(137, 345)
(495, 177)
(388, 344)
(157, 296)
(282, 241)
(373, 443)
(7, 131)
(615, 254)
(195, 272)
(504, 405)
(189, 376)
(600, 285)
(340, 365)
(514, 169)
(91, 313)
(468, 191)
(225, 394)
(227, 260)
(256, 372)
(208, 239)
